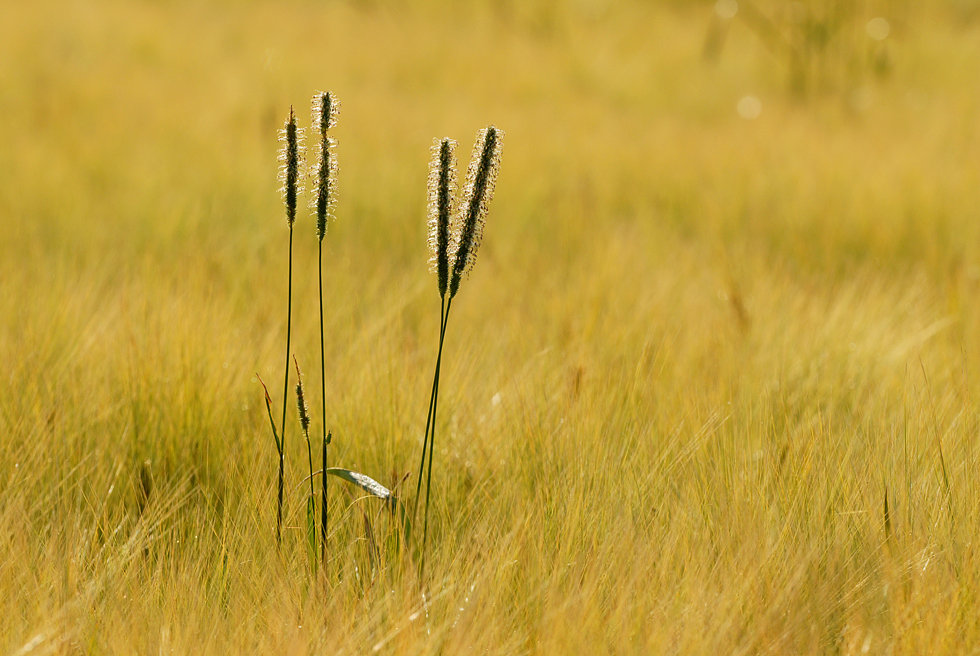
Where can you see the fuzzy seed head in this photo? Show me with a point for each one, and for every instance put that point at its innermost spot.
(304, 416)
(441, 207)
(481, 178)
(324, 200)
(290, 158)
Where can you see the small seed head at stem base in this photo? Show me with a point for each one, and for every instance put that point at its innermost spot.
(481, 178)
(290, 158)
(326, 107)
(304, 416)
(442, 188)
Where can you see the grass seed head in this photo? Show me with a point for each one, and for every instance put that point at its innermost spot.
(290, 158)
(441, 207)
(325, 110)
(304, 416)
(481, 177)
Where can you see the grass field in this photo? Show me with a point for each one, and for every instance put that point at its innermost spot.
(696, 355)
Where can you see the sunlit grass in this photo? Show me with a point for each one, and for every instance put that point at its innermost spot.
(696, 352)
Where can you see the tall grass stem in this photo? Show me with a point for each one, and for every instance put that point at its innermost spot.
(432, 433)
(325, 109)
(285, 391)
(323, 503)
(428, 417)
(326, 437)
(290, 156)
(304, 422)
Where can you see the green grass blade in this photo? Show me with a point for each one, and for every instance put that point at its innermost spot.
(311, 531)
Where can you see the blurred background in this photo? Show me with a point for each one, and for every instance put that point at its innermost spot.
(670, 169)
(727, 296)
(698, 175)
(814, 131)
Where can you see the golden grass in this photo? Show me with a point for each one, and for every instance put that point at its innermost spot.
(695, 353)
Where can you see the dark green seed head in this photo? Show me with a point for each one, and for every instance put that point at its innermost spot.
(481, 178)
(325, 110)
(290, 158)
(441, 207)
(304, 416)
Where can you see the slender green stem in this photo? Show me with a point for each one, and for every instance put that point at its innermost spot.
(432, 434)
(311, 507)
(323, 504)
(309, 453)
(304, 423)
(428, 417)
(323, 408)
(285, 391)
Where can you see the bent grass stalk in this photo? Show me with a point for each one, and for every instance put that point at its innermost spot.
(325, 110)
(458, 242)
(268, 407)
(291, 137)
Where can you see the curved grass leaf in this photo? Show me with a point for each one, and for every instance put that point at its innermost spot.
(366, 483)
